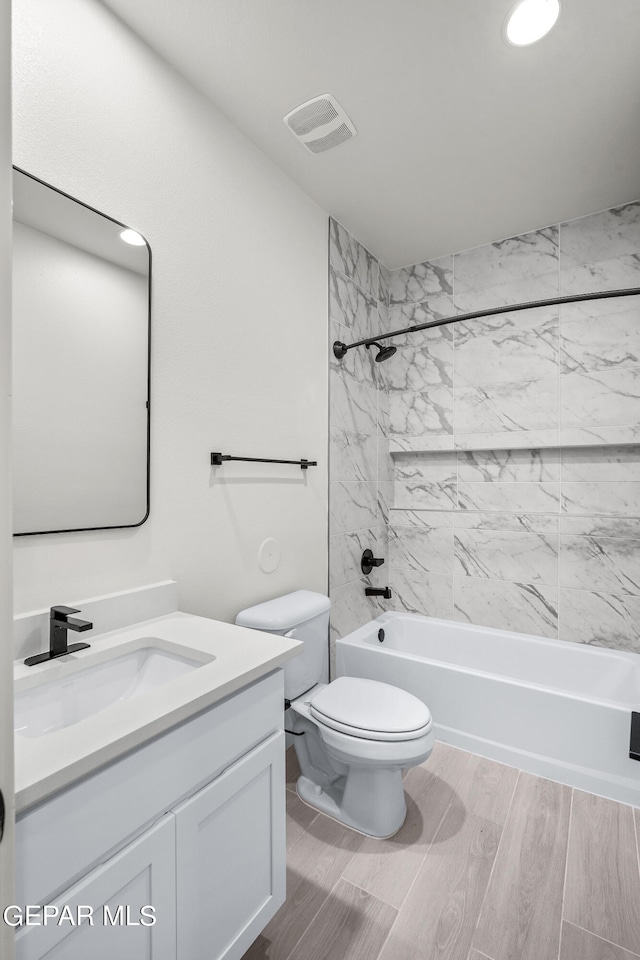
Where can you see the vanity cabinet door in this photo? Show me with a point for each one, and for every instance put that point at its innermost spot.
(231, 856)
(143, 874)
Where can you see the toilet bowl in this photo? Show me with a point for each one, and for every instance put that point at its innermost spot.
(367, 793)
(354, 736)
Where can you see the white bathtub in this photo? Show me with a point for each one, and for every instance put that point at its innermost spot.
(557, 709)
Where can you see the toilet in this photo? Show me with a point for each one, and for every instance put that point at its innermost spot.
(353, 737)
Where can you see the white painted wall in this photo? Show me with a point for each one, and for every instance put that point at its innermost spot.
(6, 646)
(239, 346)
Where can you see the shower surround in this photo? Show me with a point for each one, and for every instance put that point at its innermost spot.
(360, 468)
(507, 475)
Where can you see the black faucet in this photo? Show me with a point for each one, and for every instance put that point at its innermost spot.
(378, 592)
(60, 620)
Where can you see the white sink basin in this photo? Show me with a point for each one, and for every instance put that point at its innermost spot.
(85, 687)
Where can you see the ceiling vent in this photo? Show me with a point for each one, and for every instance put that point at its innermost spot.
(320, 124)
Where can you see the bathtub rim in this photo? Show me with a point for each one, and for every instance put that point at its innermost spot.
(357, 638)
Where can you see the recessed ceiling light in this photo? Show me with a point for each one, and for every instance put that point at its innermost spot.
(530, 20)
(130, 236)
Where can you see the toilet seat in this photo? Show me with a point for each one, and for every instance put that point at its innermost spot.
(370, 710)
(384, 753)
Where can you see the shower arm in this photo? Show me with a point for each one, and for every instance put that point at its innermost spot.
(340, 349)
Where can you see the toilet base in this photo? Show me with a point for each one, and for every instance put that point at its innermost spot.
(369, 801)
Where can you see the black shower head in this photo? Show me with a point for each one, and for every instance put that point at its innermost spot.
(383, 352)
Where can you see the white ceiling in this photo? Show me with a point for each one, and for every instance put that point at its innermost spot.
(462, 139)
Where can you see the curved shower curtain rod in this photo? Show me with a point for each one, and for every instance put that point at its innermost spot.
(340, 348)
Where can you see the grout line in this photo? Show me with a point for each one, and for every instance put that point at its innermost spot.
(366, 581)
(368, 892)
(560, 465)
(292, 952)
(513, 791)
(437, 829)
(329, 444)
(454, 607)
(303, 834)
(345, 276)
(536, 584)
(495, 859)
(604, 939)
(397, 909)
(386, 939)
(350, 533)
(366, 384)
(422, 861)
(566, 870)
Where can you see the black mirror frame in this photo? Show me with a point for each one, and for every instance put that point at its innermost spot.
(118, 526)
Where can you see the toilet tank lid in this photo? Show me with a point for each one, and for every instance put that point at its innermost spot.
(286, 612)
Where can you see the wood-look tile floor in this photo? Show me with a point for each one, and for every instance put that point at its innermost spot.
(491, 864)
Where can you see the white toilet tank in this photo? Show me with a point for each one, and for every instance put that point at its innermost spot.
(303, 615)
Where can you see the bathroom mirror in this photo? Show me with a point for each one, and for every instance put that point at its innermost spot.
(81, 315)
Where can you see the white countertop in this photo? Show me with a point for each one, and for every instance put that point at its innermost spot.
(49, 763)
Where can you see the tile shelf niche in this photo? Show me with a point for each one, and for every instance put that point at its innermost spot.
(624, 435)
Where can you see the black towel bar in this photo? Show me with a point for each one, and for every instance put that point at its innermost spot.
(217, 459)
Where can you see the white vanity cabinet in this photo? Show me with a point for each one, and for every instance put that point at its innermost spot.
(192, 824)
(142, 873)
(230, 845)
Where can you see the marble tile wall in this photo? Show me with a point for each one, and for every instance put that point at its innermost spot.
(360, 468)
(524, 514)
